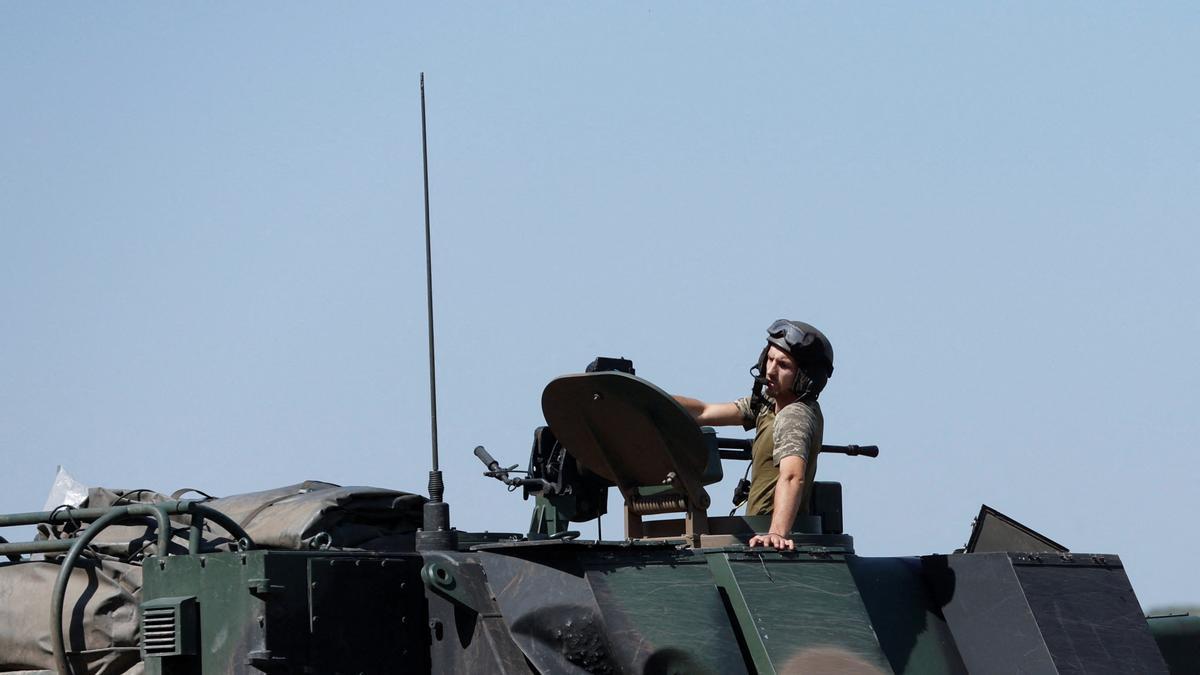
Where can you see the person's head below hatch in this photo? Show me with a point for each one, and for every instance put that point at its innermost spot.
(796, 362)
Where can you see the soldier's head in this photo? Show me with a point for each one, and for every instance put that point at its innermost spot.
(801, 356)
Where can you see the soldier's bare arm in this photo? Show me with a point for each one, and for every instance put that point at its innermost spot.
(711, 414)
(787, 501)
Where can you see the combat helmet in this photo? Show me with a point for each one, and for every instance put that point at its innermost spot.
(809, 348)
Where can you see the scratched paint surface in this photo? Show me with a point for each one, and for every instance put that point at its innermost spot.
(667, 617)
(809, 612)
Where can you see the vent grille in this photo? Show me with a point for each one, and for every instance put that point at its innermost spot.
(160, 631)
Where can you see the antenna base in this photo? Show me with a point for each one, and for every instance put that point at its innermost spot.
(436, 533)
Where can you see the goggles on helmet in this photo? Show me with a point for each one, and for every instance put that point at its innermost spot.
(792, 334)
(803, 342)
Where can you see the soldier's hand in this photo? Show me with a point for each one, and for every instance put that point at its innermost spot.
(772, 540)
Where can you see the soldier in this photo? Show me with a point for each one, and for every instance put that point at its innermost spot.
(782, 408)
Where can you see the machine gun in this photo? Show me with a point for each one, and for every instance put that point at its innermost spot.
(563, 491)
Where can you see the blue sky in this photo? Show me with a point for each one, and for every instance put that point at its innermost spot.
(211, 253)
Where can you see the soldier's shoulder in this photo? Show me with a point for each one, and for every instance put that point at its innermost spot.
(802, 410)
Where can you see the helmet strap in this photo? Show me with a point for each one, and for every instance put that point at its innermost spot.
(759, 372)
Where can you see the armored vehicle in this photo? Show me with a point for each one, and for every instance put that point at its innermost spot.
(314, 578)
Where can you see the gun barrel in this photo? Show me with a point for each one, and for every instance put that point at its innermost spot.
(865, 450)
(740, 449)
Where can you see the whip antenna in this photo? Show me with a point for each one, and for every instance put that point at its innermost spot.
(436, 533)
(429, 302)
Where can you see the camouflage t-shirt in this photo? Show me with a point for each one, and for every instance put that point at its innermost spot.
(795, 431)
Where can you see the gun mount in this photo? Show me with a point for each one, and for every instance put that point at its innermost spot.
(611, 428)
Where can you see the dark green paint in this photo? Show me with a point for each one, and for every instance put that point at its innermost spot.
(807, 611)
(718, 565)
(910, 628)
(294, 610)
(669, 613)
